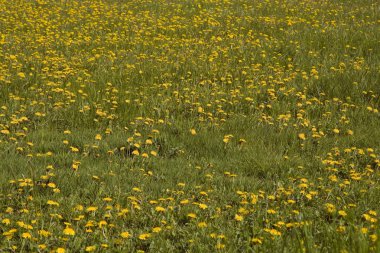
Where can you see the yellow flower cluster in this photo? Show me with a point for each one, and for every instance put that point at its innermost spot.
(197, 126)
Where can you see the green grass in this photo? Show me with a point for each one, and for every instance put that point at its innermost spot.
(195, 126)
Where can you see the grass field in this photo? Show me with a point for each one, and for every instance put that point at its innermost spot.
(189, 126)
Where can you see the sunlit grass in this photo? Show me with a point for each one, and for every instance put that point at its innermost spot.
(189, 126)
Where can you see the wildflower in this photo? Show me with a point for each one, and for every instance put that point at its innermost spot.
(6, 221)
(102, 223)
(52, 203)
(160, 209)
(241, 141)
(202, 224)
(42, 246)
(144, 236)
(125, 234)
(26, 235)
(44, 233)
(156, 229)
(302, 136)
(68, 231)
(192, 215)
(373, 237)
(220, 246)
(342, 213)
(90, 248)
(74, 149)
(227, 138)
(91, 209)
(5, 131)
(273, 231)
(330, 208)
(238, 217)
(202, 206)
(256, 240)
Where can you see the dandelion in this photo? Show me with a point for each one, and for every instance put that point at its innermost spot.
(202, 224)
(144, 237)
(125, 234)
(342, 213)
(44, 233)
(203, 206)
(256, 241)
(239, 217)
(373, 237)
(302, 136)
(160, 209)
(330, 208)
(156, 229)
(6, 221)
(60, 250)
(26, 235)
(91, 209)
(69, 231)
(220, 246)
(5, 131)
(90, 248)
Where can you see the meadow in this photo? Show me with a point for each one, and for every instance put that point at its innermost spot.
(189, 126)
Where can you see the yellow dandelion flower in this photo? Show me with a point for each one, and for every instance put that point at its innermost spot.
(42, 246)
(44, 233)
(202, 224)
(60, 250)
(6, 221)
(256, 240)
(373, 237)
(90, 248)
(144, 236)
(220, 246)
(160, 209)
(26, 235)
(125, 234)
(52, 203)
(202, 206)
(192, 215)
(91, 209)
(302, 136)
(156, 229)
(239, 217)
(5, 131)
(342, 213)
(68, 231)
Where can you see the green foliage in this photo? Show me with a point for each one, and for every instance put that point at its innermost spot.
(189, 126)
